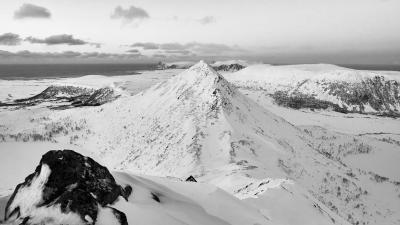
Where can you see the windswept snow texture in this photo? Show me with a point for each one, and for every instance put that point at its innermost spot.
(325, 86)
(222, 132)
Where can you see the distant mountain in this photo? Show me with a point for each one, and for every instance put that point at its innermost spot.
(175, 65)
(325, 87)
(230, 65)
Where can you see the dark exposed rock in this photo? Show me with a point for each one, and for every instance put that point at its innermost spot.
(381, 94)
(298, 100)
(67, 96)
(191, 179)
(99, 97)
(229, 67)
(75, 184)
(58, 93)
(155, 197)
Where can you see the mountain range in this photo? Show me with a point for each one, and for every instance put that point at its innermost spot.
(199, 124)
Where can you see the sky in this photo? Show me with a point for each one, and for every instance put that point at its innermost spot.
(271, 31)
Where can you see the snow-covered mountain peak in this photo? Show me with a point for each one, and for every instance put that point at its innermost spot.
(200, 81)
(203, 69)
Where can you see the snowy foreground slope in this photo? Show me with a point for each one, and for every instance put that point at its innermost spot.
(197, 123)
(323, 86)
(67, 188)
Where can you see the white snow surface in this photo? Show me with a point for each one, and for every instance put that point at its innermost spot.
(253, 166)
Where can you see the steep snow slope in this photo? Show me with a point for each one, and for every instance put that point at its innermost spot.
(323, 86)
(197, 123)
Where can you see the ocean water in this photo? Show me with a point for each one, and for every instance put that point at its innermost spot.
(372, 67)
(35, 71)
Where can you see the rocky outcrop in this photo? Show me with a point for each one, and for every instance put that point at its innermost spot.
(375, 95)
(54, 93)
(298, 100)
(62, 97)
(191, 179)
(99, 97)
(66, 188)
(229, 67)
(324, 86)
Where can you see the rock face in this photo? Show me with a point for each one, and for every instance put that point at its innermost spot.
(61, 97)
(375, 95)
(341, 89)
(66, 188)
(54, 93)
(191, 179)
(98, 97)
(229, 67)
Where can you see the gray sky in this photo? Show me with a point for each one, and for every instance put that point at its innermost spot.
(275, 31)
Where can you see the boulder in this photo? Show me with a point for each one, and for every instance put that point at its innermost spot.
(66, 188)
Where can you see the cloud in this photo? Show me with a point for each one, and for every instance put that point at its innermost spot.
(31, 11)
(212, 48)
(192, 48)
(207, 20)
(65, 55)
(10, 39)
(146, 45)
(59, 40)
(179, 52)
(130, 14)
(133, 51)
(172, 46)
(156, 56)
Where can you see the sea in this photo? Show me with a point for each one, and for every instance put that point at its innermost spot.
(42, 71)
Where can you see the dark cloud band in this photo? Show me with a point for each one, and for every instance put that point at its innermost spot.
(31, 11)
(130, 14)
(189, 48)
(64, 55)
(57, 40)
(10, 39)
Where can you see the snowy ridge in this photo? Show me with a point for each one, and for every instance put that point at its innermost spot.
(347, 90)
